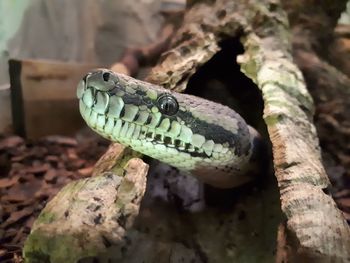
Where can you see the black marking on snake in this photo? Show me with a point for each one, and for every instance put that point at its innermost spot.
(132, 99)
(167, 140)
(104, 125)
(177, 143)
(94, 93)
(169, 128)
(158, 137)
(85, 79)
(148, 102)
(149, 134)
(141, 92)
(196, 154)
(122, 112)
(137, 115)
(193, 154)
(149, 119)
(217, 133)
(137, 99)
(214, 132)
(116, 88)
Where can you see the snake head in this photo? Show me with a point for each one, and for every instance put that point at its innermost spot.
(151, 113)
(185, 131)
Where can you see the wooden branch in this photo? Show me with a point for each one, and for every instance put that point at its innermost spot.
(322, 53)
(90, 215)
(133, 58)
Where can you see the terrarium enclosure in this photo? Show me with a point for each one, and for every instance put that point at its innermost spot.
(69, 195)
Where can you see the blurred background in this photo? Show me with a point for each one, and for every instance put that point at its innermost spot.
(94, 32)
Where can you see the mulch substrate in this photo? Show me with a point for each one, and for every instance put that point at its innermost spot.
(31, 173)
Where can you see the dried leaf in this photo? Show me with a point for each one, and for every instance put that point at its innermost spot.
(14, 217)
(7, 182)
(344, 203)
(87, 171)
(52, 158)
(19, 158)
(11, 142)
(50, 175)
(67, 141)
(18, 236)
(342, 193)
(23, 192)
(37, 169)
(2, 252)
(72, 154)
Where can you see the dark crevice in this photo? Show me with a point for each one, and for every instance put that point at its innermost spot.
(221, 80)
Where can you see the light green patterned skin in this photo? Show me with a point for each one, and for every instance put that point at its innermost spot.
(207, 139)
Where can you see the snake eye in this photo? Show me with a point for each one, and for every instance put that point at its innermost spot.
(167, 104)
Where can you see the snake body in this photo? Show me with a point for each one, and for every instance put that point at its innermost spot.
(207, 139)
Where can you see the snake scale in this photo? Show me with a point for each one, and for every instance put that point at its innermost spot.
(207, 139)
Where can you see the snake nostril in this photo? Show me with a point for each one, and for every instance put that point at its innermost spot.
(106, 76)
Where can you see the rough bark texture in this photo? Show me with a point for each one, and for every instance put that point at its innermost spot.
(89, 215)
(172, 224)
(321, 52)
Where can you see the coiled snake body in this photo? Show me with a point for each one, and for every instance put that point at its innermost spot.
(207, 139)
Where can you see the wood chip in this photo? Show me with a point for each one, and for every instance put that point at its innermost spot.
(342, 193)
(7, 182)
(42, 168)
(11, 142)
(2, 252)
(50, 175)
(344, 203)
(14, 217)
(87, 171)
(67, 141)
(18, 236)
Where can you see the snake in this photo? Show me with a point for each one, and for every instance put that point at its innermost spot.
(198, 136)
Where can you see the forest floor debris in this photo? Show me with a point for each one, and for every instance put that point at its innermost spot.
(31, 173)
